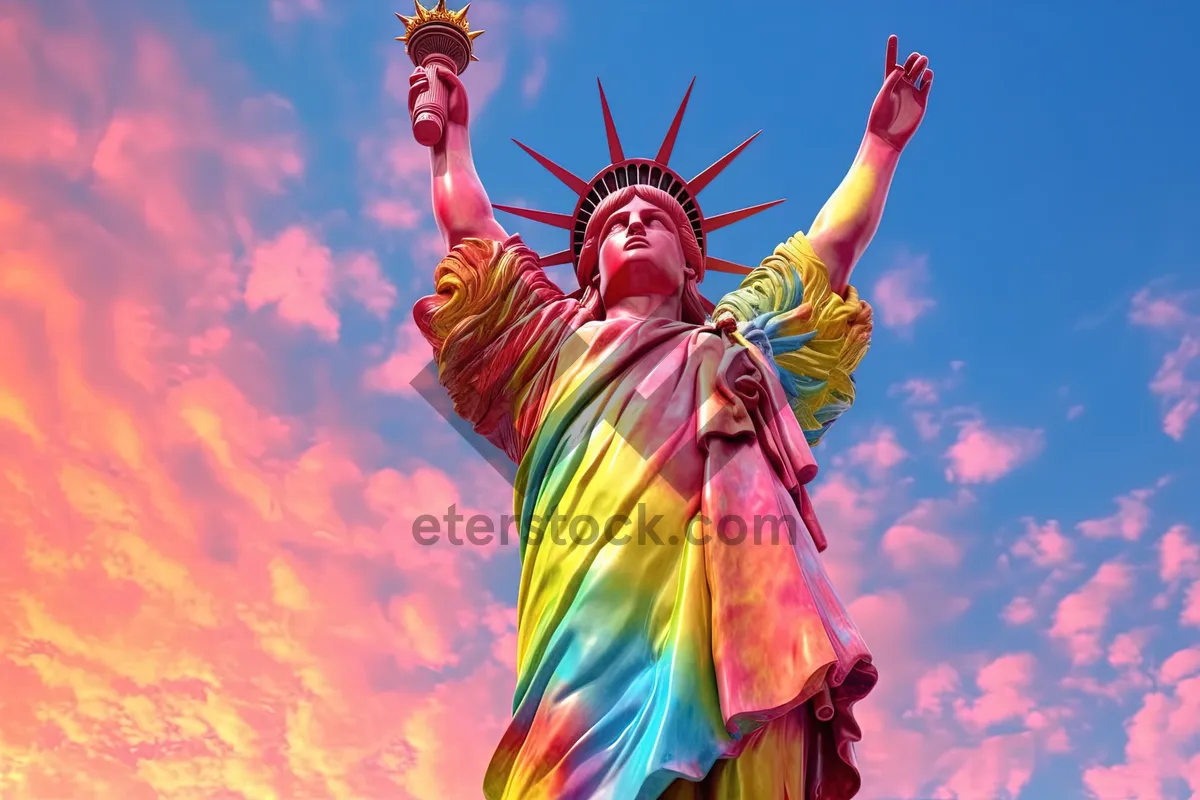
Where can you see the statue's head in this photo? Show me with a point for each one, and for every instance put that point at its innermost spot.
(639, 243)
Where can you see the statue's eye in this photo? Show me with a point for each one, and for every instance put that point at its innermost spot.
(615, 226)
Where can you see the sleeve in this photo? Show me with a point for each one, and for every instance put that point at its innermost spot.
(814, 337)
(495, 325)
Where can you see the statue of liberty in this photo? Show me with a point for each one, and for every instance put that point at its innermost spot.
(666, 649)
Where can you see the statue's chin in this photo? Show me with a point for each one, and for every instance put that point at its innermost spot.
(641, 276)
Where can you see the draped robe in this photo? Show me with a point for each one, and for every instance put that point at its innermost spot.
(675, 624)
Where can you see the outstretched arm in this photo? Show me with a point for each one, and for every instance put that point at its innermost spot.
(848, 221)
(460, 203)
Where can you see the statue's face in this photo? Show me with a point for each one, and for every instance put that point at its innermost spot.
(640, 253)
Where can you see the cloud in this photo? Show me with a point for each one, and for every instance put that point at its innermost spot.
(1004, 686)
(897, 296)
(410, 355)
(212, 581)
(878, 454)
(1179, 557)
(1130, 520)
(291, 10)
(1179, 665)
(1176, 380)
(1044, 545)
(984, 455)
(1156, 753)
(1081, 617)
(1019, 611)
(298, 276)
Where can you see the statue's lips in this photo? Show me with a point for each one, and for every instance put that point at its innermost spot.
(636, 242)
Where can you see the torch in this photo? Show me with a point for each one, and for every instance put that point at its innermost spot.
(436, 37)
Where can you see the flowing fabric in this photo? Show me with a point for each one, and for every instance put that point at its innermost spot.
(674, 619)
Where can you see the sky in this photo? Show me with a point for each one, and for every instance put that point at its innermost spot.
(214, 224)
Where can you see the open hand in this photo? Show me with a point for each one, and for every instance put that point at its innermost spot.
(900, 105)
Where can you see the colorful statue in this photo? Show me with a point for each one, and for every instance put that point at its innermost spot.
(670, 644)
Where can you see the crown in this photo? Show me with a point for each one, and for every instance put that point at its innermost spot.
(438, 15)
(624, 172)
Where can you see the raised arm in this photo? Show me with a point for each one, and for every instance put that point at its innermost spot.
(460, 204)
(848, 221)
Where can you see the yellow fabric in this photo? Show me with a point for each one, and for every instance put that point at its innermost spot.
(792, 285)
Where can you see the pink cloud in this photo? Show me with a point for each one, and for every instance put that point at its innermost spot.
(999, 767)
(1081, 616)
(897, 296)
(365, 283)
(1044, 545)
(910, 547)
(1020, 611)
(531, 84)
(290, 10)
(542, 20)
(1156, 749)
(1177, 381)
(1004, 686)
(1179, 390)
(1075, 412)
(1157, 312)
(934, 687)
(1179, 557)
(984, 455)
(297, 275)
(878, 454)
(1130, 520)
(917, 539)
(1191, 606)
(919, 391)
(1127, 648)
(409, 356)
(294, 272)
(927, 426)
(400, 214)
(1179, 665)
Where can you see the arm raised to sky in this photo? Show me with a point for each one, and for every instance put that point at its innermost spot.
(848, 221)
(460, 203)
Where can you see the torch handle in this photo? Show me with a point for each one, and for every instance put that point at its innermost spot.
(432, 105)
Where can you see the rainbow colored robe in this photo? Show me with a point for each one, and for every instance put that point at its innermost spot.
(657, 647)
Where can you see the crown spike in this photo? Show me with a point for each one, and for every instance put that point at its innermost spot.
(664, 152)
(696, 184)
(441, 6)
(721, 265)
(576, 184)
(610, 129)
(729, 217)
(561, 257)
(473, 35)
(422, 13)
(564, 221)
(461, 14)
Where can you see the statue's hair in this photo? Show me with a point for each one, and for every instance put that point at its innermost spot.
(696, 307)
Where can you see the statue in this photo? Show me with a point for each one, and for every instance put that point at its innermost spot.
(667, 648)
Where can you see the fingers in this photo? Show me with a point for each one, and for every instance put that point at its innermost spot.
(913, 72)
(926, 82)
(912, 59)
(893, 46)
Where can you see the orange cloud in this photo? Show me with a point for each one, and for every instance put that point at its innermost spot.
(210, 593)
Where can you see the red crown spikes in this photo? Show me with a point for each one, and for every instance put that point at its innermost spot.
(624, 172)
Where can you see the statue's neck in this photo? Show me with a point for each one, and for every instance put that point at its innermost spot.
(643, 307)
